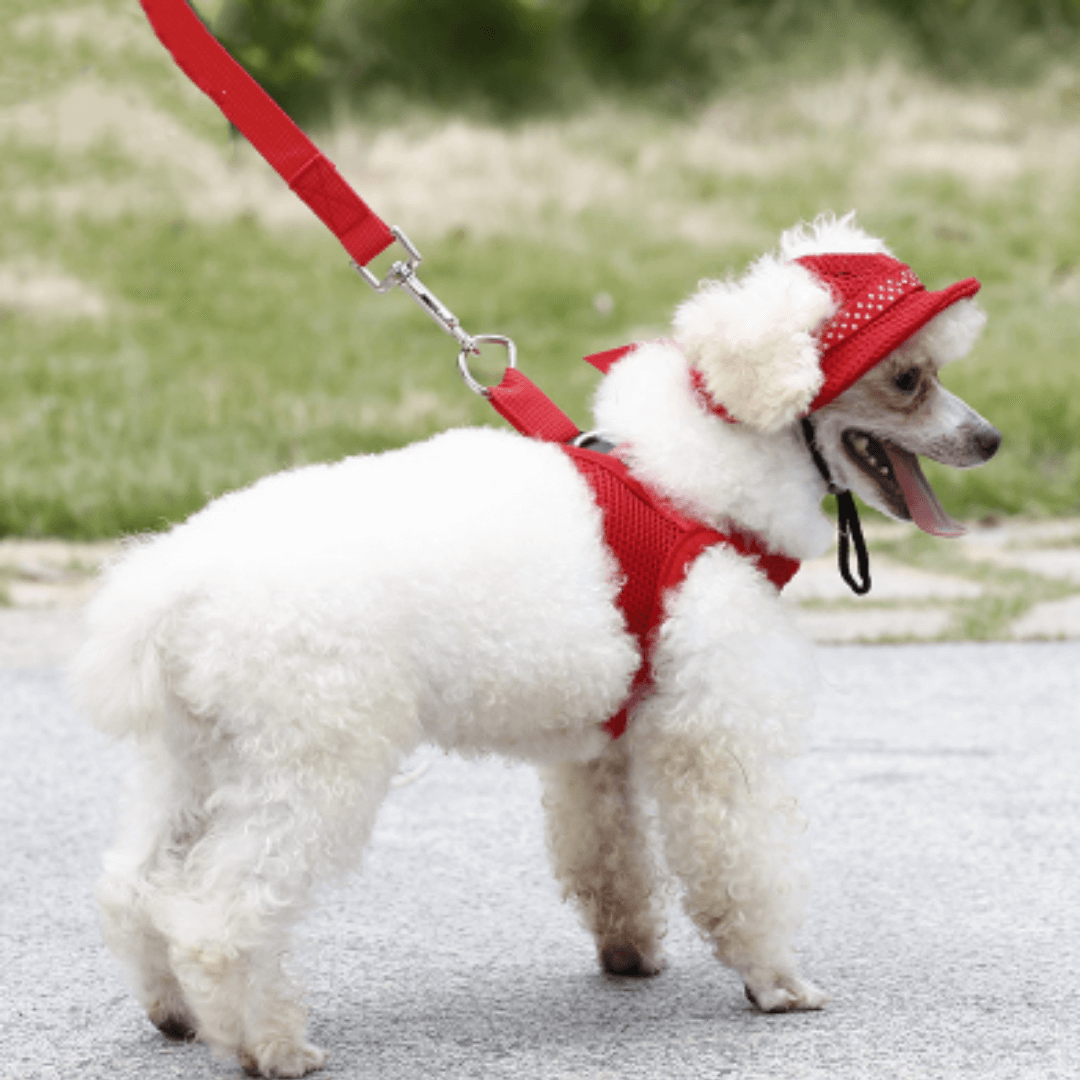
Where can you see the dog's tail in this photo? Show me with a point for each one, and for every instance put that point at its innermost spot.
(117, 679)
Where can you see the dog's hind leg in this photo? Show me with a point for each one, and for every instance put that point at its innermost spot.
(601, 855)
(284, 807)
(227, 927)
(726, 819)
(162, 821)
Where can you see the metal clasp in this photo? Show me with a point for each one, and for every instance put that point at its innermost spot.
(472, 383)
(403, 274)
(399, 271)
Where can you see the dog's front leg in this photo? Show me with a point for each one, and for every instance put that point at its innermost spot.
(733, 683)
(601, 857)
(726, 819)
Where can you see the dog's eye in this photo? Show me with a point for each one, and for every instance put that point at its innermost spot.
(907, 380)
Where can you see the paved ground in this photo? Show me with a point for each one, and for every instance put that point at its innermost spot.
(945, 838)
(1009, 580)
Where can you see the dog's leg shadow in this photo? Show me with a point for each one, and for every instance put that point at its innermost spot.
(601, 856)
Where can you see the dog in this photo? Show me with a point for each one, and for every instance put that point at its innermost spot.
(276, 657)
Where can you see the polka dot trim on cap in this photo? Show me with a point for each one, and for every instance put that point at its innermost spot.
(854, 315)
(882, 303)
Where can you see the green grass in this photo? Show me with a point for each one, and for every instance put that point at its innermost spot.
(511, 58)
(232, 346)
(237, 352)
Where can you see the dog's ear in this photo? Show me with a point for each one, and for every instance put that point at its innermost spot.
(753, 341)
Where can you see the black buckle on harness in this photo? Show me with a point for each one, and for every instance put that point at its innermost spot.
(849, 528)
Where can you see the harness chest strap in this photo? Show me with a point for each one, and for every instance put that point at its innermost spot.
(653, 542)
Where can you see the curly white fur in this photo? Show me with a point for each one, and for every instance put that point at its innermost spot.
(278, 655)
(753, 340)
(951, 333)
(830, 234)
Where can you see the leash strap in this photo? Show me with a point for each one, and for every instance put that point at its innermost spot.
(529, 410)
(292, 155)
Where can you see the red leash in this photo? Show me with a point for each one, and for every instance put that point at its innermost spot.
(309, 173)
(292, 155)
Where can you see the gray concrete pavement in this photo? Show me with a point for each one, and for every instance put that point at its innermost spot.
(940, 783)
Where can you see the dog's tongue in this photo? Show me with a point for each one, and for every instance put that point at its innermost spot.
(921, 501)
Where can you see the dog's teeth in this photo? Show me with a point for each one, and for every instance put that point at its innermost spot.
(862, 444)
(883, 469)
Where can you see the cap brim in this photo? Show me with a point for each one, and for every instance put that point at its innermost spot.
(847, 362)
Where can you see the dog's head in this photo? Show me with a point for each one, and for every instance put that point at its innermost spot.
(834, 327)
(871, 433)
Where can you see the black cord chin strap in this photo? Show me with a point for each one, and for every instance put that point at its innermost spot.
(848, 525)
(851, 528)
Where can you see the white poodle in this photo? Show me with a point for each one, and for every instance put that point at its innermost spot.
(278, 656)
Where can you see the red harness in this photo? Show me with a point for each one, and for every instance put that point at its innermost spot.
(653, 542)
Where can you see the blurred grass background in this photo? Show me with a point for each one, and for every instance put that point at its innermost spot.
(173, 323)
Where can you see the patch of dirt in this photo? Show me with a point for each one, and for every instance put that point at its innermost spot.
(90, 24)
(35, 290)
(51, 573)
(435, 177)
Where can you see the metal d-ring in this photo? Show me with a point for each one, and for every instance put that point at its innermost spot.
(485, 339)
(403, 275)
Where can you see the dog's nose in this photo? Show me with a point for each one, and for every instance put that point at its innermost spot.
(988, 441)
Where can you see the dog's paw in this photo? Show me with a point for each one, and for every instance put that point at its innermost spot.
(785, 993)
(176, 1028)
(172, 1021)
(279, 1058)
(630, 962)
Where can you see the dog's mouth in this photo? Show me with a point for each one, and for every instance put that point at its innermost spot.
(900, 481)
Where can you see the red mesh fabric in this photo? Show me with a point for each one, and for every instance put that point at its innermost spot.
(653, 543)
(882, 304)
(852, 276)
(655, 546)
(602, 361)
(639, 536)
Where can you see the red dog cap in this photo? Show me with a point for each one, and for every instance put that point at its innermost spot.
(882, 304)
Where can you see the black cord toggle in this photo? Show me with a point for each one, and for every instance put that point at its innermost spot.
(849, 528)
